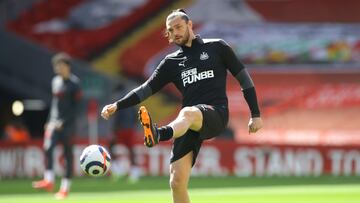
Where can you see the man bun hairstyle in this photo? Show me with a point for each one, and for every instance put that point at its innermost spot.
(180, 12)
(61, 58)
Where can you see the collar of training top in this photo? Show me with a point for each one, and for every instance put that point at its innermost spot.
(195, 43)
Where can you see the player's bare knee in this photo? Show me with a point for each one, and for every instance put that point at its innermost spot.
(177, 183)
(190, 113)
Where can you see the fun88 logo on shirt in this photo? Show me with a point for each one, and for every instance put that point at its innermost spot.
(190, 76)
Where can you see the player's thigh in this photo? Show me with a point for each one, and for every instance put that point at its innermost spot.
(193, 115)
(180, 169)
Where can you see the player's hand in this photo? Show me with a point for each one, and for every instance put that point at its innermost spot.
(108, 110)
(255, 124)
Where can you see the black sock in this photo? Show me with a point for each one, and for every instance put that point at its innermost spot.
(165, 133)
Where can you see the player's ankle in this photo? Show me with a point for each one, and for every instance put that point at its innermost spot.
(165, 133)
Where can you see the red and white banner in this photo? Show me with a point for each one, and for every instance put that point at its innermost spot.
(216, 158)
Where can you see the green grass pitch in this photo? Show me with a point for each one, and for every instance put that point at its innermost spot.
(324, 189)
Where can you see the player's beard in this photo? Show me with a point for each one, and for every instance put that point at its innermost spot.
(185, 38)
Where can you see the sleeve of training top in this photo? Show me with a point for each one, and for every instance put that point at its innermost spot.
(251, 100)
(238, 70)
(160, 77)
(249, 91)
(156, 81)
(230, 60)
(130, 99)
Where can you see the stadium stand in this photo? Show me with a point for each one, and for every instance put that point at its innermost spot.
(307, 11)
(66, 26)
(11, 9)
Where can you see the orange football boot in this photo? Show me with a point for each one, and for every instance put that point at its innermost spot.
(151, 136)
(43, 184)
(62, 194)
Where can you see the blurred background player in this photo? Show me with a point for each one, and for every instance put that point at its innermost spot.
(124, 132)
(61, 123)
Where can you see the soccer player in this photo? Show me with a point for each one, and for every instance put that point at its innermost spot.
(198, 69)
(61, 123)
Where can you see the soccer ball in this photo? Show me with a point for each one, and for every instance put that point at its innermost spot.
(95, 160)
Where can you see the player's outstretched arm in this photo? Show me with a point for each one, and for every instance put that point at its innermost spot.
(156, 81)
(134, 97)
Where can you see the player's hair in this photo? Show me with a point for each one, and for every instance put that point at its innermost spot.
(61, 58)
(180, 12)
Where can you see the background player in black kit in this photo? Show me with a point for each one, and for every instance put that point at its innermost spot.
(61, 123)
(198, 69)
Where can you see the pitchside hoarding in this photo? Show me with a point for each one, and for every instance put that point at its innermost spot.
(216, 158)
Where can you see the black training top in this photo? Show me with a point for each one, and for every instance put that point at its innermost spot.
(199, 71)
(66, 96)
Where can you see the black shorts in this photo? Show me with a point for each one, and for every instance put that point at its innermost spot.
(215, 119)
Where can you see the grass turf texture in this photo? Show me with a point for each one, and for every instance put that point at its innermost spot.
(323, 189)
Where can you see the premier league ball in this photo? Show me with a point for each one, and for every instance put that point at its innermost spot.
(95, 160)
